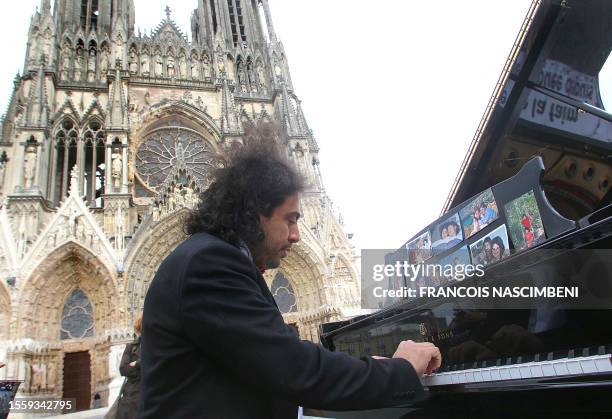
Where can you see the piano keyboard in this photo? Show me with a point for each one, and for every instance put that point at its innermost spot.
(543, 369)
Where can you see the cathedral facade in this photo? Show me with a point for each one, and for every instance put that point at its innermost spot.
(108, 139)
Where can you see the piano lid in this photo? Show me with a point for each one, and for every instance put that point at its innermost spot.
(548, 102)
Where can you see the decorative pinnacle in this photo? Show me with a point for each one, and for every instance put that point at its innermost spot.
(168, 11)
(74, 181)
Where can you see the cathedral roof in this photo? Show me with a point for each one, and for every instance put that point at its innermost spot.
(168, 30)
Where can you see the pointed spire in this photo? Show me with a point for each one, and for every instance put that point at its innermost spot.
(229, 119)
(37, 100)
(269, 24)
(168, 12)
(117, 105)
(287, 113)
(45, 7)
(74, 181)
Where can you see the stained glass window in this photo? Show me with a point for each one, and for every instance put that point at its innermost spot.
(77, 317)
(167, 150)
(283, 294)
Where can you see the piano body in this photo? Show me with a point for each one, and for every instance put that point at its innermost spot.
(544, 146)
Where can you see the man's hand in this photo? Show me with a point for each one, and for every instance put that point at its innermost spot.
(425, 357)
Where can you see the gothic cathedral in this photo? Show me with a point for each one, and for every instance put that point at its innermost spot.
(107, 141)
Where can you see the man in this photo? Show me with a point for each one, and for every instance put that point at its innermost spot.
(214, 344)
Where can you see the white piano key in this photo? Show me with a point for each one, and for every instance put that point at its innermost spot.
(536, 370)
(454, 378)
(469, 377)
(548, 370)
(448, 378)
(486, 375)
(505, 373)
(515, 373)
(560, 368)
(588, 366)
(525, 371)
(604, 364)
(478, 376)
(495, 375)
(574, 367)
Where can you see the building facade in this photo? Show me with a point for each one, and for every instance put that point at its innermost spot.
(108, 139)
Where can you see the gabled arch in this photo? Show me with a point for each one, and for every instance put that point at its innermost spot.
(66, 110)
(152, 243)
(69, 266)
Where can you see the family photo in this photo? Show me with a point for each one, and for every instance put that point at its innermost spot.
(492, 248)
(479, 213)
(419, 249)
(525, 221)
(446, 234)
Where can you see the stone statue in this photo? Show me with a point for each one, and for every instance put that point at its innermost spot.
(178, 197)
(104, 62)
(48, 35)
(144, 64)
(65, 69)
(182, 67)
(278, 72)
(119, 48)
(190, 197)
(133, 62)
(91, 65)
(80, 230)
(116, 168)
(29, 166)
(221, 66)
(78, 65)
(159, 66)
(170, 66)
(206, 66)
(262, 77)
(251, 74)
(51, 376)
(241, 75)
(155, 212)
(195, 67)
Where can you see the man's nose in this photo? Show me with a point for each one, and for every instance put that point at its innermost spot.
(294, 234)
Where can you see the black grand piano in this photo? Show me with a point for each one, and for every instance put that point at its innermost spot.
(531, 205)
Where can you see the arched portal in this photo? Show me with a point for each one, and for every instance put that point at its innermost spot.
(145, 256)
(68, 305)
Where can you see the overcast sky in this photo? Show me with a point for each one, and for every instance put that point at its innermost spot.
(392, 89)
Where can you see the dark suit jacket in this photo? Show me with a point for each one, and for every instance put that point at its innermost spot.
(214, 345)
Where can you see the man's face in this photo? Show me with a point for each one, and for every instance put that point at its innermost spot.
(281, 230)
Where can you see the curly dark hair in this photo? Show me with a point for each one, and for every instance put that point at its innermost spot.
(255, 179)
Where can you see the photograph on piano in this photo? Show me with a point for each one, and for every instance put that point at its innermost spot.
(479, 213)
(419, 249)
(446, 234)
(491, 248)
(525, 221)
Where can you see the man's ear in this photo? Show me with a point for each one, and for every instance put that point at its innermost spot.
(262, 218)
